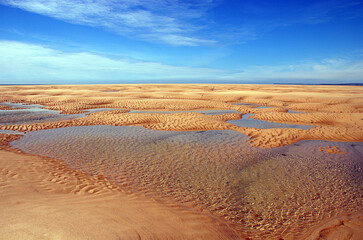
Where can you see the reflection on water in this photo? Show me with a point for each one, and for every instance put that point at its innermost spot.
(16, 106)
(247, 104)
(246, 121)
(34, 113)
(10, 132)
(267, 193)
(28, 114)
(207, 112)
(37, 113)
(292, 111)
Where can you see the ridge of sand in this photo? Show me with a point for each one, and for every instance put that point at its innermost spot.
(42, 198)
(345, 99)
(277, 137)
(4, 107)
(5, 139)
(336, 110)
(349, 226)
(191, 121)
(336, 119)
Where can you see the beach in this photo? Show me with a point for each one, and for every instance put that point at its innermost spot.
(181, 161)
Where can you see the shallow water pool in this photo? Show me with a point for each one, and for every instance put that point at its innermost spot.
(267, 193)
(246, 121)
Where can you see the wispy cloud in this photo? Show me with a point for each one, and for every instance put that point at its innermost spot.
(188, 23)
(332, 70)
(23, 62)
(168, 21)
(187, 41)
(30, 63)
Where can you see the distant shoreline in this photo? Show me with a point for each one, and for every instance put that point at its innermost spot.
(303, 84)
(338, 84)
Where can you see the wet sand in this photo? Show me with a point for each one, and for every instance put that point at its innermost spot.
(335, 113)
(336, 110)
(43, 199)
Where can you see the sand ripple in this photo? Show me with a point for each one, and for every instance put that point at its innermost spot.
(266, 193)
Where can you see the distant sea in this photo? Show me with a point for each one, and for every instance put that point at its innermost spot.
(156, 82)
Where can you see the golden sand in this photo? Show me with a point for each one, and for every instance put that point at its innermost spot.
(336, 110)
(42, 198)
(332, 150)
(63, 199)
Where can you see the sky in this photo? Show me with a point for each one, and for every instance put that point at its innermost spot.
(175, 41)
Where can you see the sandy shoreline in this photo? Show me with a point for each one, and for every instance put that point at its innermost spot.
(42, 198)
(38, 194)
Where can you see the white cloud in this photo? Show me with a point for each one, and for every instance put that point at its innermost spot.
(30, 63)
(186, 41)
(158, 19)
(178, 23)
(332, 70)
(23, 62)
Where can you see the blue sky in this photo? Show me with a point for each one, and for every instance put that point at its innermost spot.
(169, 41)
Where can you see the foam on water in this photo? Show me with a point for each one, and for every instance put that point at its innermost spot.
(268, 193)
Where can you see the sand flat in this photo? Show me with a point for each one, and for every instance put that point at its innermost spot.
(336, 110)
(44, 199)
(48, 186)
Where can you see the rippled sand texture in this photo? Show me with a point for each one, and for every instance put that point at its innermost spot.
(265, 193)
(336, 110)
(42, 198)
(5, 139)
(294, 184)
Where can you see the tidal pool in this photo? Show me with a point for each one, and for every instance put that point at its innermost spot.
(28, 114)
(268, 193)
(246, 121)
(207, 112)
(10, 132)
